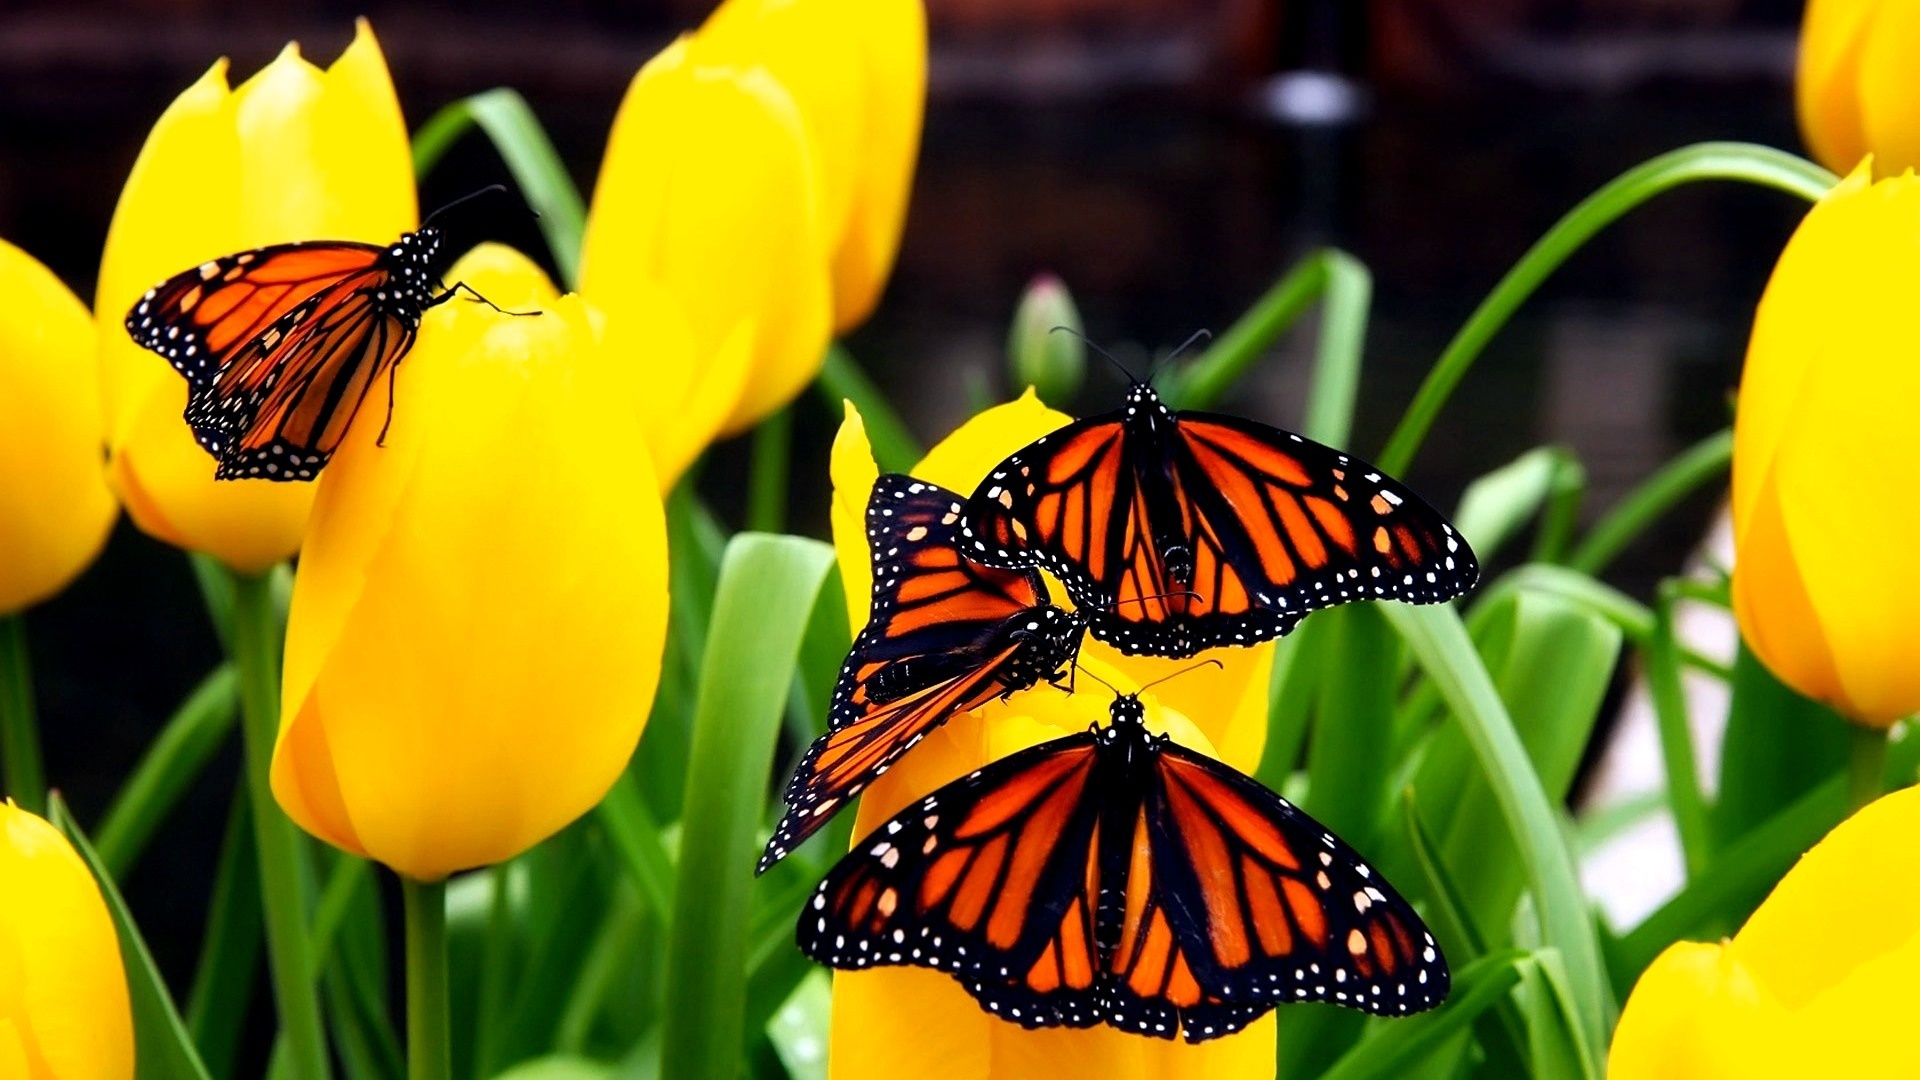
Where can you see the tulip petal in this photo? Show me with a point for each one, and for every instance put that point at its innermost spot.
(55, 507)
(1697, 1014)
(854, 473)
(1828, 84)
(707, 189)
(64, 1011)
(1886, 51)
(502, 560)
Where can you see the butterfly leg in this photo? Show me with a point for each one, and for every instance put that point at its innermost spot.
(391, 370)
(460, 286)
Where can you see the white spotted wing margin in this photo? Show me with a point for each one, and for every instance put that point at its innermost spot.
(1269, 905)
(944, 636)
(993, 879)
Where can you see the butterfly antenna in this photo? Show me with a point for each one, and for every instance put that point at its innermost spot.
(1177, 674)
(1111, 604)
(1096, 678)
(486, 192)
(1197, 336)
(1095, 346)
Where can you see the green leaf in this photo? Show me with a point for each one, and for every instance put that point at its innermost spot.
(1701, 463)
(1346, 782)
(1290, 696)
(162, 1048)
(230, 946)
(1441, 645)
(799, 1029)
(1558, 1046)
(768, 586)
(1551, 661)
(1688, 805)
(172, 763)
(842, 379)
(1396, 1046)
(1746, 162)
(558, 1067)
(1778, 746)
(536, 166)
(1497, 506)
(1348, 288)
(1739, 876)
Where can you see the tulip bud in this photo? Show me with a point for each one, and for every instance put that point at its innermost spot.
(1824, 580)
(1044, 347)
(55, 508)
(478, 618)
(296, 153)
(1854, 87)
(64, 1011)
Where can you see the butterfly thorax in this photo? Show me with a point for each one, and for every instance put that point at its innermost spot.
(412, 264)
(1047, 638)
(1150, 433)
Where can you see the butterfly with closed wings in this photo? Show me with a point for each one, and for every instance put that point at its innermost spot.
(281, 345)
(944, 635)
(1114, 876)
(1178, 532)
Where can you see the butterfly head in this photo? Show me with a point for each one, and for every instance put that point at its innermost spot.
(1127, 710)
(413, 269)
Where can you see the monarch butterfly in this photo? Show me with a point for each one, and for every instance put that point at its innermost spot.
(945, 635)
(1182, 531)
(280, 345)
(1114, 876)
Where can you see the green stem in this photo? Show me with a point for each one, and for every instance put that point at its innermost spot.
(1866, 765)
(429, 1033)
(19, 730)
(1760, 165)
(1646, 504)
(257, 638)
(1688, 805)
(171, 766)
(769, 476)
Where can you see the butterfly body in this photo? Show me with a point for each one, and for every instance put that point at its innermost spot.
(944, 635)
(1178, 532)
(282, 344)
(1116, 877)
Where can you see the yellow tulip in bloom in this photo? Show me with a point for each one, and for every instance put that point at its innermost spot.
(1824, 582)
(880, 1026)
(1818, 983)
(857, 69)
(1855, 83)
(481, 603)
(64, 1013)
(295, 153)
(55, 508)
(707, 193)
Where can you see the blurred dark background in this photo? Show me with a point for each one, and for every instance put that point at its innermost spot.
(1167, 159)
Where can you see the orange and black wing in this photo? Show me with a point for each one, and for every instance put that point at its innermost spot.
(279, 347)
(1263, 906)
(994, 879)
(945, 635)
(1281, 523)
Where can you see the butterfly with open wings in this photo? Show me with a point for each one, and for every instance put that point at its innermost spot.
(945, 635)
(1178, 532)
(1114, 876)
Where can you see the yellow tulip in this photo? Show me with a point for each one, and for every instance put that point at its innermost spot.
(707, 192)
(64, 1013)
(55, 508)
(295, 153)
(1818, 983)
(481, 604)
(879, 1022)
(1824, 582)
(1855, 84)
(857, 69)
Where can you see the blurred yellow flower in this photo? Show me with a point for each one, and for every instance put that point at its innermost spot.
(1818, 983)
(1855, 84)
(478, 619)
(879, 1027)
(55, 508)
(295, 153)
(1824, 583)
(64, 1013)
(707, 192)
(857, 69)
